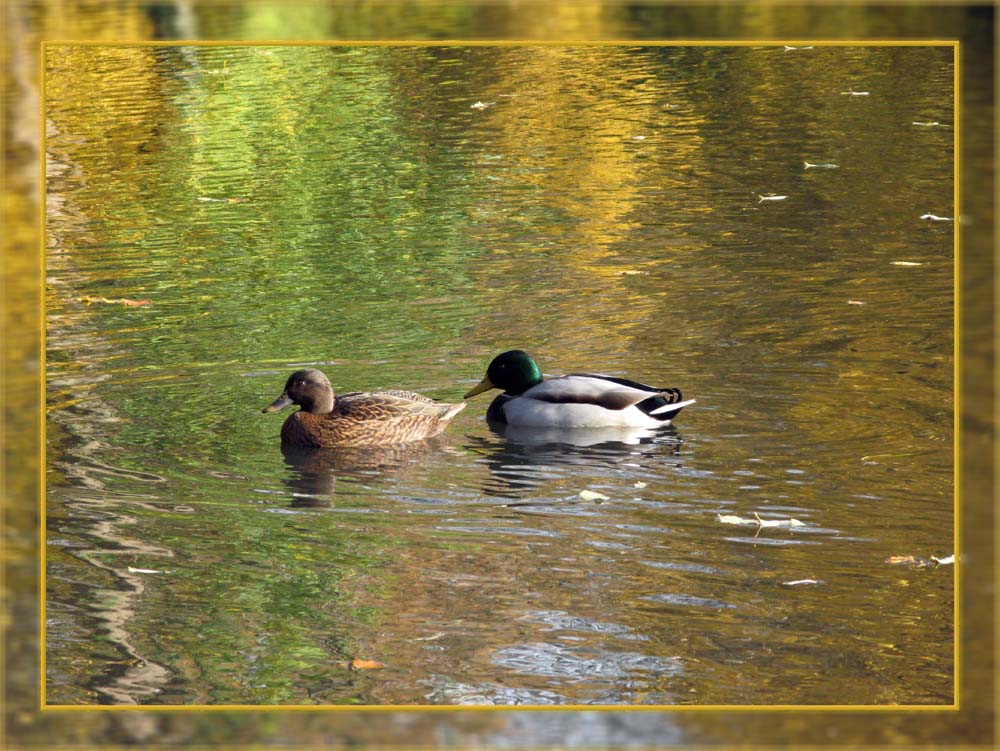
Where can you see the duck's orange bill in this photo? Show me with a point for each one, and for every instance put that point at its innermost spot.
(484, 385)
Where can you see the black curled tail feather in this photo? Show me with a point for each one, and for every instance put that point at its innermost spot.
(673, 395)
(665, 398)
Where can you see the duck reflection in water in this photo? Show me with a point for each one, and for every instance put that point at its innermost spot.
(312, 476)
(527, 456)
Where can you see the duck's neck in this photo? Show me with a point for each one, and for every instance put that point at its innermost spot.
(321, 405)
(524, 381)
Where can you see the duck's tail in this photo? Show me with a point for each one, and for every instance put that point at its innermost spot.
(448, 411)
(664, 405)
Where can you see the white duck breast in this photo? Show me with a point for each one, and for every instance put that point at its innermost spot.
(586, 401)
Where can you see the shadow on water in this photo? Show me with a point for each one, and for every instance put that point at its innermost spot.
(312, 472)
(527, 457)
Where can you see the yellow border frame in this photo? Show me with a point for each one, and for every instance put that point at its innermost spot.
(955, 706)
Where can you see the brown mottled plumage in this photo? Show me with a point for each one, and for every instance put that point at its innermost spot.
(357, 418)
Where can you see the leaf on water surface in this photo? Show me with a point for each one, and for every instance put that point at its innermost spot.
(758, 522)
(916, 560)
(432, 637)
(362, 665)
(908, 560)
(113, 301)
(591, 495)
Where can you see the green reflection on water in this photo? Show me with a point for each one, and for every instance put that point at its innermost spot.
(351, 208)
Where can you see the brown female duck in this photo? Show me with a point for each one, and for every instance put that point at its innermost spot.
(357, 418)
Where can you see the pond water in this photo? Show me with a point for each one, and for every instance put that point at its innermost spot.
(395, 216)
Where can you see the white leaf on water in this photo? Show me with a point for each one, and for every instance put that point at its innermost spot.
(758, 522)
(591, 495)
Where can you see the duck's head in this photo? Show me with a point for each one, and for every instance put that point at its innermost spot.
(308, 388)
(513, 371)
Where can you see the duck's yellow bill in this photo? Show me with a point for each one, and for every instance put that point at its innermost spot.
(484, 385)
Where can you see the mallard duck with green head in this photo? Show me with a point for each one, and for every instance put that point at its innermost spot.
(578, 400)
(326, 420)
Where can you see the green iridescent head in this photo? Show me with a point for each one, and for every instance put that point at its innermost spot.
(513, 371)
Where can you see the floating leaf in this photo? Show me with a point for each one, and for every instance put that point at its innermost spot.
(364, 665)
(758, 522)
(233, 199)
(907, 560)
(591, 495)
(432, 637)
(113, 301)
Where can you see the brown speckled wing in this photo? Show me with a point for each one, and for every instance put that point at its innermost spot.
(382, 418)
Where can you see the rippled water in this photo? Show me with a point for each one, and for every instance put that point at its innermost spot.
(396, 217)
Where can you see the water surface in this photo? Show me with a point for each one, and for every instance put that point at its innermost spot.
(396, 217)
